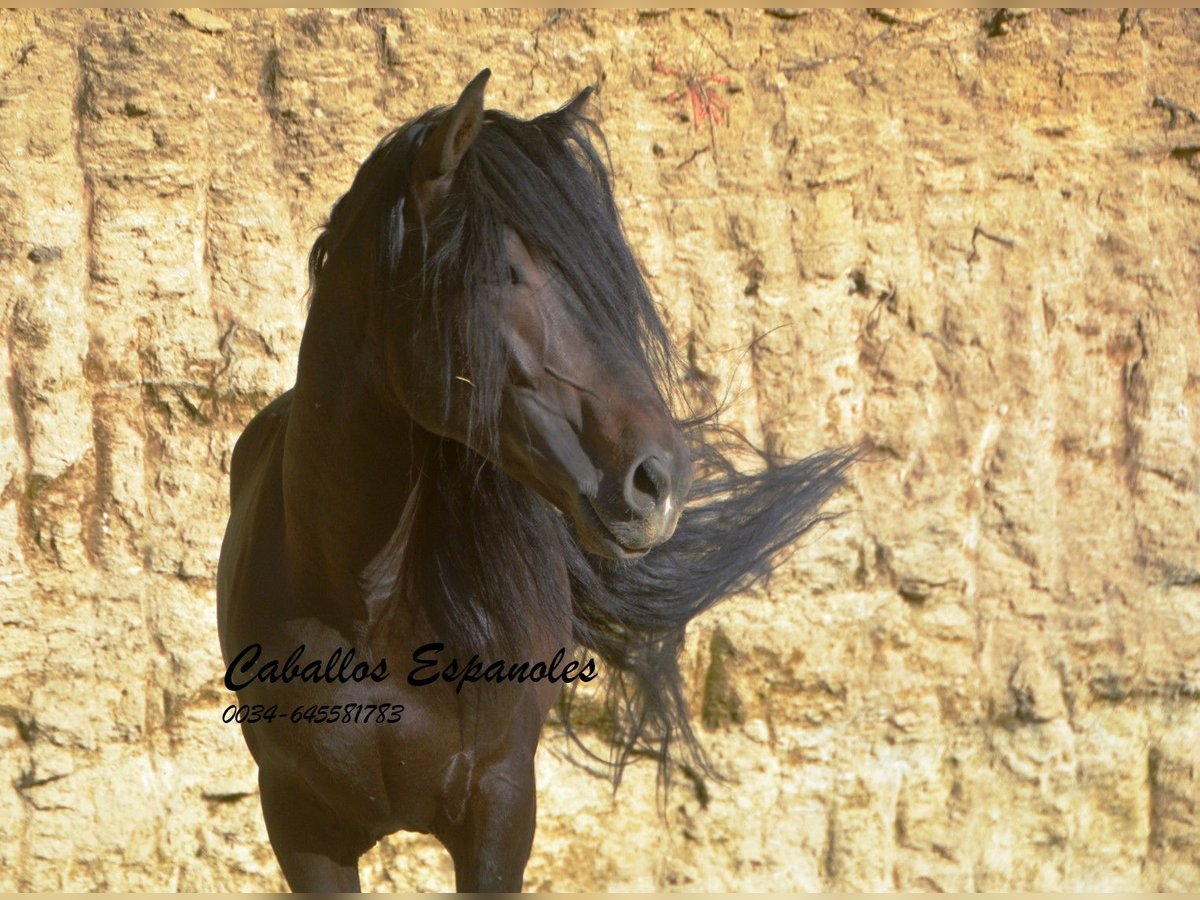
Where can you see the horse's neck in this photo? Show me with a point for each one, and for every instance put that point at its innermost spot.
(353, 500)
(346, 470)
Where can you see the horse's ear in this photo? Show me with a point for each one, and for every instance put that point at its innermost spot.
(437, 160)
(576, 107)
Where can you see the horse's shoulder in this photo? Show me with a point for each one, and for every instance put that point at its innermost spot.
(257, 439)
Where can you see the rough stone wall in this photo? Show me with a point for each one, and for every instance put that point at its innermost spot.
(969, 239)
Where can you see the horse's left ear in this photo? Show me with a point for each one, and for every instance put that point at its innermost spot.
(579, 104)
(437, 160)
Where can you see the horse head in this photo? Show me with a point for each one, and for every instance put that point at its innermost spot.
(520, 326)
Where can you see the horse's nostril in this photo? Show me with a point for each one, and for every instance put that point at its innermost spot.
(648, 484)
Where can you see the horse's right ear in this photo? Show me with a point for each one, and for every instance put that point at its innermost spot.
(437, 160)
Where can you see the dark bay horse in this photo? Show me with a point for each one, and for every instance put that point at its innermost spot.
(475, 493)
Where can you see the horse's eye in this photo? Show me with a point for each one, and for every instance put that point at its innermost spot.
(514, 276)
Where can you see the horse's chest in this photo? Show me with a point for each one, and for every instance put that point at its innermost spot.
(381, 751)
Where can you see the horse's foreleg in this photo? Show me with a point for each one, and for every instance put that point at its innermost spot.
(316, 855)
(492, 844)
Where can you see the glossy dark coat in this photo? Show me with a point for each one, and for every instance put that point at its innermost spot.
(479, 451)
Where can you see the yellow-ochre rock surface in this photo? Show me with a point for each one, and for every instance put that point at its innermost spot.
(967, 239)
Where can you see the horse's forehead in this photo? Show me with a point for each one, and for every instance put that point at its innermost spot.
(515, 245)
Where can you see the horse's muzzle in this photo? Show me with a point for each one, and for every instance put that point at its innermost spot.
(639, 511)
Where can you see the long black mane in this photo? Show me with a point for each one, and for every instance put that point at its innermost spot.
(545, 179)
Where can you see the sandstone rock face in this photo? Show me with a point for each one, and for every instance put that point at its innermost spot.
(967, 239)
